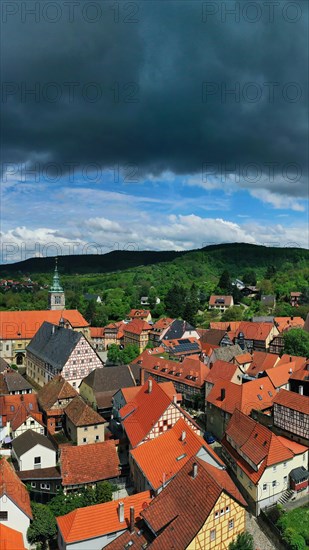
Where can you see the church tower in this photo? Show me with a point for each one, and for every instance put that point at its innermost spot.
(56, 297)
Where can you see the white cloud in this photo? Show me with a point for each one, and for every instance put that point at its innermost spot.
(278, 201)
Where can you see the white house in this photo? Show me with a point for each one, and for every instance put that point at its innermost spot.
(33, 451)
(15, 509)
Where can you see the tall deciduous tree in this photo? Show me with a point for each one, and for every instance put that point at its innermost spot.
(43, 527)
(296, 342)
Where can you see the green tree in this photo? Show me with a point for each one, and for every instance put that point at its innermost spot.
(232, 314)
(104, 492)
(244, 541)
(129, 353)
(175, 300)
(249, 277)
(225, 281)
(296, 342)
(43, 527)
(113, 354)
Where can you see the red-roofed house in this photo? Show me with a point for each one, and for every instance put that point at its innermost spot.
(299, 380)
(291, 415)
(155, 463)
(137, 333)
(88, 464)
(94, 527)
(15, 509)
(261, 361)
(17, 328)
(114, 334)
(18, 414)
(220, 302)
(200, 508)
(187, 376)
(280, 376)
(255, 336)
(260, 460)
(222, 370)
(226, 396)
(151, 413)
(159, 328)
(143, 314)
(97, 337)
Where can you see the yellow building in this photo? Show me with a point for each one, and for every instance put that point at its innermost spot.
(137, 333)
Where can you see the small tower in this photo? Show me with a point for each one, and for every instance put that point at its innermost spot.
(56, 297)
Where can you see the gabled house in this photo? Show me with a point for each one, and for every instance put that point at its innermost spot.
(97, 337)
(291, 415)
(280, 376)
(42, 481)
(143, 314)
(260, 460)
(137, 333)
(225, 353)
(52, 399)
(32, 451)
(255, 336)
(200, 508)
(155, 463)
(86, 465)
(17, 328)
(82, 424)
(222, 370)
(96, 526)
(299, 380)
(100, 385)
(15, 509)
(261, 362)
(58, 350)
(188, 376)
(226, 396)
(215, 337)
(13, 383)
(151, 413)
(158, 330)
(114, 334)
(221, 303)
(18, 414)
(284, 324)
(180, 329)
(182, 347)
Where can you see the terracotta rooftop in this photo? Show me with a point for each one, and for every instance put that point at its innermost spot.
(12, 487)
(170, 514)
(293, 401)
(55, 390)
(262, 361)
(89, 463)
(96, 332)
(81, 414)
(285, 323)
(191, 371)
(220, 300)
(285, 358)
(221, 370)
(280, 376)
(161, 458)
(255, 394)
(101, 519)
(10, 539)
(139, 313)
(16, 325)
(243, 358)
(254, 331)
(137, 326)
(227, 325)
(161, 324)
(256, 442)
(16, 409)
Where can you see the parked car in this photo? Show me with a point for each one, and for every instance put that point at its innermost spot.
(209, 438)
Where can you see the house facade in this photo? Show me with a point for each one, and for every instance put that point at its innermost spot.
(83, 424)
(137, 333)
(291, 415)
(52, 399)
(33, 451)
(221, 303)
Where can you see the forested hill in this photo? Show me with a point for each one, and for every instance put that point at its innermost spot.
(234, 257)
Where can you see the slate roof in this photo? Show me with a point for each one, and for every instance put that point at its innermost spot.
(81, 414)
(54, 345)
(299, 474)
(11, 486)
(227, 353)
(27, 440)
(110, 378)
(15, 381)
(178, 513)
(3, 365)
(177, 329)
(84, 464)
(55, 390)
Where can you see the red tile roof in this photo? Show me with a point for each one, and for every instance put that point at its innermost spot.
(89, 463)
(96, 332)
(10, 539)
(285, 358)
(292, 400)
(244, 397)
(55, 390)
(190, 371)
(256, 442)
(81, 414)
(178, 513)
(295, 447)
(139, 313)
(161, 324)
(11, 486)
(225, 325)
(243, 358)
(285, 323)
(17, 408)
(24, 324)
(262, 361)
(159, 459)
(137, 326)
(221, 370)
(101, 519)
(227, 300)
(254, 331)
(280, 376)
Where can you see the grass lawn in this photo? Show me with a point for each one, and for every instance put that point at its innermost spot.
(298, 520)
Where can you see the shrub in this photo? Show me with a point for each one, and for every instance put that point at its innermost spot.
(293, 539)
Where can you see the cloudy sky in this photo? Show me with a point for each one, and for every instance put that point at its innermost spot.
(153, 125)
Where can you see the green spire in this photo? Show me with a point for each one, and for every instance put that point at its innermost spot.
(56, 286)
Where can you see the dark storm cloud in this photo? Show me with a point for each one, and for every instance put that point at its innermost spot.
(149, 85)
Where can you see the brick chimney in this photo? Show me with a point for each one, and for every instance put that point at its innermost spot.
(121, 512)
(142, 376)
(132, 519)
